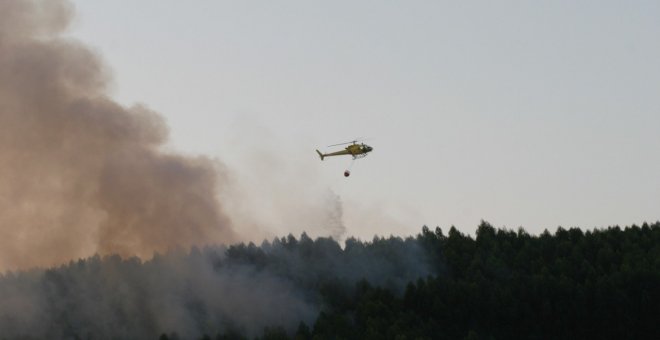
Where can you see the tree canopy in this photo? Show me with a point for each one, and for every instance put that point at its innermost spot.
(497, 284)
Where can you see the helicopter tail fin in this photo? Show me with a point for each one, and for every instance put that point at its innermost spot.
(320, 154)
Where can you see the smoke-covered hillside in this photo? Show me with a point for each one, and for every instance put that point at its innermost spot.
(501, 284)
(243, 288)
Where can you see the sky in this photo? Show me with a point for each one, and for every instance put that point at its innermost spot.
(532, 114)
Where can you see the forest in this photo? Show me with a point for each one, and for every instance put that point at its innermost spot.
(503, 284)
(498, 284)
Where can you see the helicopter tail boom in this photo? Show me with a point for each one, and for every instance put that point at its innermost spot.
(320, 154)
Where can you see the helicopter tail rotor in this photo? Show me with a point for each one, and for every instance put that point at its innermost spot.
(320, 154)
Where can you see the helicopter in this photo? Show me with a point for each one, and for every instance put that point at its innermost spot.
(354, 149)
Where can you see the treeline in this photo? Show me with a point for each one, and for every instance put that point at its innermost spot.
(503, 284)
(499, 284)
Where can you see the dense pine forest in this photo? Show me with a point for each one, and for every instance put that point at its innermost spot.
(602, 284)
(499, 284)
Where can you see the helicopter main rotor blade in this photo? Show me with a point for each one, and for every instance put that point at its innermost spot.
(360, 139)
(340, 144)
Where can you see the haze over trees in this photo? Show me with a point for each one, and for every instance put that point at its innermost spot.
(500, 284)
(504, 285)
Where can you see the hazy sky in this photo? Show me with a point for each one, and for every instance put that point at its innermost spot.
(530, 113)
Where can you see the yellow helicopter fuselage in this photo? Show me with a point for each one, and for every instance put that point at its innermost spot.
(354, 150)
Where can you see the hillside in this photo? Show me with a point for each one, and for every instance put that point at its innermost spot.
(501, 284)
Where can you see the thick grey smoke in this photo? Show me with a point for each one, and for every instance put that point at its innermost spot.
(112, 298)
(79, 173)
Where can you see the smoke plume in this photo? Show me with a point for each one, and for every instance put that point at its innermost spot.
(79, 173)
